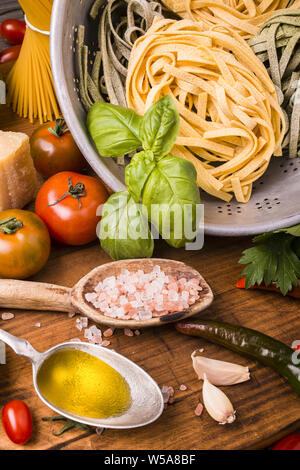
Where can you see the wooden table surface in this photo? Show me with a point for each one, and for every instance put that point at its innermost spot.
(266, 406)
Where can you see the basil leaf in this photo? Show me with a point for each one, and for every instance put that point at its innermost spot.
(138, 171)
(124, 229)
(171, 195)
(160, 127)
(115, 130)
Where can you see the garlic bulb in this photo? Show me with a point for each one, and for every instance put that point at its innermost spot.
(217, 404)
(219, 372)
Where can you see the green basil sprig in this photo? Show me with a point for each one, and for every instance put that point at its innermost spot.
(115, 130)
(164, 185)
(124, 229)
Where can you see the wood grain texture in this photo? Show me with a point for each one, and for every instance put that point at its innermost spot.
(266, 406)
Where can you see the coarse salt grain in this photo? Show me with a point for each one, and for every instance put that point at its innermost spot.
(71, 314)
(105, 343)
(137, 332)
(165, 393)
(142, 296)
(128, 332)
(183, 387)
(108, 333)
(198, 409)
(37, 325)
(7, 316)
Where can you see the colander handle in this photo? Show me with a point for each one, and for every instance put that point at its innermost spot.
(28, 295)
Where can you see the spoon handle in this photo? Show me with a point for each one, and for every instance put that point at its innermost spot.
(27, 295)
(21, 346)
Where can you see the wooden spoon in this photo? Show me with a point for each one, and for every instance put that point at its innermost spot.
(40, 296)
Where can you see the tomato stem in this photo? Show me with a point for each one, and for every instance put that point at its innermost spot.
(60, 128)
(10, 225)
(77, 191)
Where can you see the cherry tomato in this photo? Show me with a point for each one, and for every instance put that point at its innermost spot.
(67, 202)
(24, 244)
(17, 421)
(13, 31)
(291, 442)
(54, 150)
(10, 54)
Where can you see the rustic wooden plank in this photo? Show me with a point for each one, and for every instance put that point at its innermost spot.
(266, 406)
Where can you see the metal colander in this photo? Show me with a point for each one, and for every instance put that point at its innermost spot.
(275, 199)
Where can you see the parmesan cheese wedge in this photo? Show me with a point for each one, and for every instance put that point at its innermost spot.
(18, 181)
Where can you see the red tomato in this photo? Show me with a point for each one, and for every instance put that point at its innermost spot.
(24, 244)
(54, 150)
(13, 31)
(291, 442)
(71, 218)
(10, 54)
(17, 421)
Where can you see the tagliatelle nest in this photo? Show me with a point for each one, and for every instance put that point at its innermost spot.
(277, 46)
(231, 122)
(242, 16)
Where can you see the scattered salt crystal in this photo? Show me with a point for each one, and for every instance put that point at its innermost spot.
(84, 321)
(108, 333)
(93, 335)
(105, 343)
(171, 391)
(128, 332)
(137, 332)
(201, 350)
(183, 387)
(100, 431)
(79, 326)
(71, 314)
(165, 393)
(38, 325)
(198, 409)
(7, 316)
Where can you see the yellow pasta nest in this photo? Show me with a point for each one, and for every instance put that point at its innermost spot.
(242, 16)
(231, 122)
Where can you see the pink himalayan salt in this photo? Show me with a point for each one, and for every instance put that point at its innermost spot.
(137, 332)
(198, 409)
(37, 325)
(142, 296)
(7, 316)
(128, 332)
(108, 333)
(183, 387)
(165, 393)
(105, 343)
(171, 391)
(71, 314)
(93, 335)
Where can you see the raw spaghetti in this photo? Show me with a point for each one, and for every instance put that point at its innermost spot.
(231, 121)
(277, 46)
(30, 84)
(241, 16)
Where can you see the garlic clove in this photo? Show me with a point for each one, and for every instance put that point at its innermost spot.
(219, 372)
(217, 404)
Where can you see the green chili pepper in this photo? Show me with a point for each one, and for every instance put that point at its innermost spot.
(248, 342)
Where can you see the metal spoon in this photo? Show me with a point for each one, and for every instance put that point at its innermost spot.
(146, 398)
(40, 296)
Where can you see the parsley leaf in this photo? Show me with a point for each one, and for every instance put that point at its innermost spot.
(274, 260)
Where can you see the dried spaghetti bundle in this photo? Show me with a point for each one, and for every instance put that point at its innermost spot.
(242, 16)
(277, 46)
(30, 84)
(231, 121)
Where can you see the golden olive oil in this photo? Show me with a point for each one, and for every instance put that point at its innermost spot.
(83, 384)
